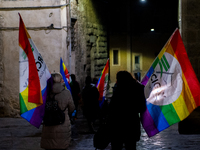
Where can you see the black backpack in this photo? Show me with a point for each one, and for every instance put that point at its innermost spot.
(53, 114)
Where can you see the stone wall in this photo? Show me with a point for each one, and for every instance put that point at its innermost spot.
(88, 53)
(190, 30)
(51, 43)
(96, 49)
(90, 39)
(1, 63)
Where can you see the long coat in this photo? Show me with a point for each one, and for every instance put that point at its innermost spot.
(90, 96)
(59, 136)
(124, 107)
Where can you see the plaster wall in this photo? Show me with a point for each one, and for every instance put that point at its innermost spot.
(48, 23)
(51, 43)
(149, 45)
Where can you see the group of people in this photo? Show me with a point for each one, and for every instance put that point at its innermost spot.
(122, 116)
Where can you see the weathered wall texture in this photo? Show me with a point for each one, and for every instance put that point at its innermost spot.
(1, 63)
(51, 43)
(89, 52)
(190, 29)
(87, 32)
(191, 32)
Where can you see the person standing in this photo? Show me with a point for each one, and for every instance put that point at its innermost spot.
(75, 88)
(90, 96)
(59, 136)
(123, 120)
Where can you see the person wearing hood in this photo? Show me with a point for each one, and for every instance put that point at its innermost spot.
(127, 102)
(59, 136)
(90, 96)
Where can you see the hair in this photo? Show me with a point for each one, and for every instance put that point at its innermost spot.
(57, 77)
(88, 80)
(95, 81)
(124, 78)
(73, 77)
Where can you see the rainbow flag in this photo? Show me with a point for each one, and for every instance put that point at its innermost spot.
(171, 87)
(33, 76)
(102, 83)
(65, 74)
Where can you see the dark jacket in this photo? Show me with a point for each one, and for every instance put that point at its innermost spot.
(75, 88)
(127, 101)
(90, 96)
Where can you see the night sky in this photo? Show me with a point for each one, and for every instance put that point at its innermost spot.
(138, 17)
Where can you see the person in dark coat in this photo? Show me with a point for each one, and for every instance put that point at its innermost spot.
(90, 96)
(75, 88)
(127, 101)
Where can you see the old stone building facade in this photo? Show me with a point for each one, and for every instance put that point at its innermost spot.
(90, 37)
(72, 30)
(79, 33)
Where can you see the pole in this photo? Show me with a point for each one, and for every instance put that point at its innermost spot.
(69, 34)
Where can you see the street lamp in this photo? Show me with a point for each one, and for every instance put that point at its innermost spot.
(143, 0)
(152, 29)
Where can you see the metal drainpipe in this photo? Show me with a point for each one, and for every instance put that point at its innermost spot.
(69, 35)
(180, 16)
(131, 49)
(32, 7)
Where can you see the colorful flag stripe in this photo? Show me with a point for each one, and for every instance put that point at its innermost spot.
(181, 108)
(62, 71)
(34, 77)
(102, 83)
(170, 114)
(186, 66)
(159, 117)
(34, 82)
(148, 123)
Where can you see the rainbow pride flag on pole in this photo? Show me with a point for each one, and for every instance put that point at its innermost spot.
(102, 83)
(172, 89)
(33, 76)
(65, 74)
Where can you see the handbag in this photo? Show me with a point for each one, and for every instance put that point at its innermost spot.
(101, 138)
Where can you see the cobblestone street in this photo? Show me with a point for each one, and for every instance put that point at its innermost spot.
(18, 134)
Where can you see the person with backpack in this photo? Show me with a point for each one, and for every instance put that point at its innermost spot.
(57, 136)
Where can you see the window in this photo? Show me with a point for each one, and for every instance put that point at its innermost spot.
(137, 61)
(115, 57)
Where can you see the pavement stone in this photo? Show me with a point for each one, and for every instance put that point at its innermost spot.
(18, 134)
